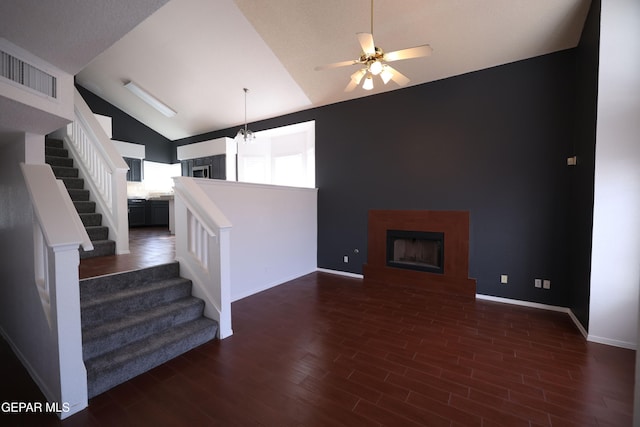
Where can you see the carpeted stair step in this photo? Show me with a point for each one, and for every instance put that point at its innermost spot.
(59, 161)
(97, 232)
(89, 219)
(78, 194)
(108, 336)
(109, 306)
(118, 366)
(64, 172)
(97, 287)
(62, 165)
(85, 206)
(55, 151)
(100, 248)
(53, 142)
(73, 183)
(135, 321)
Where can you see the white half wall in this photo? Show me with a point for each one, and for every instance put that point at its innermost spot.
(274, 237)
(23, 320)
(615, 262)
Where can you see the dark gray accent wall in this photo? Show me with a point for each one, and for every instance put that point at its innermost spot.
(126, 128)
(582, 175)
(493, 142)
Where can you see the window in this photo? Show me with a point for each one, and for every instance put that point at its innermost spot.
(280, 156)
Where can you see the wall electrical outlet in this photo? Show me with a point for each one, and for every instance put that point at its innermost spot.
(546, 284)
(504, 279)
(537, 283)
(345, 258)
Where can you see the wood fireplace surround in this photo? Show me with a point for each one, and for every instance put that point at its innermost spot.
(454, 225)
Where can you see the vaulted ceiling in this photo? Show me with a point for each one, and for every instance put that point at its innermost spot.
(198, 55)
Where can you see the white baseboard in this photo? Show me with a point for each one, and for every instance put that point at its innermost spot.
(264, 286)
(581, 328)
(530, 304)
(42, 385)
(547, 307)
(523, 303)
(341, 273)
(615, 343)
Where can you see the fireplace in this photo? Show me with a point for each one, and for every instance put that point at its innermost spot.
(416, 250)
(432, 250)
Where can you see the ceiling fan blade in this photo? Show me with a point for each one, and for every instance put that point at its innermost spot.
(412, 52)
(366, 42)
(336, 65)
(398, 77)
(358, 75)
(351, 86)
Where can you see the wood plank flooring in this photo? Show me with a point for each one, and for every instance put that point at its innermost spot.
(148, 246)
(325, 350)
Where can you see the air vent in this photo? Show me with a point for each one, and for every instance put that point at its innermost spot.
(27, 75)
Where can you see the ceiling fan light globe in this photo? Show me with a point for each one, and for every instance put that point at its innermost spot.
(375, 68)
(386, 75)
(368, 83)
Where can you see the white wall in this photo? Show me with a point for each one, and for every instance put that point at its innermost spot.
(28, 110)
(615, 264)
(23, 322)
(274, 234)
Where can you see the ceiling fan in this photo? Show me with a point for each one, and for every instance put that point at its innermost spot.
(374, 62)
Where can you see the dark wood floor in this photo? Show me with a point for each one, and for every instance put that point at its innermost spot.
(149, 246)
(325, 350)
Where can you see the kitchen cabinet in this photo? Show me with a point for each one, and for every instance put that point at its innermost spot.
(218, 166)
(158, 213)
(148, 213)
(137, 212)
(135, 169)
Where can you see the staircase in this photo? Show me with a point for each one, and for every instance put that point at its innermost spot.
(58, 158)
(135, 321)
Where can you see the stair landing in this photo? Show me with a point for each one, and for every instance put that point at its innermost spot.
(148, 246)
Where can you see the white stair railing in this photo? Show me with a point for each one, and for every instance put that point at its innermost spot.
(57, 234)
(203, 250)
(104, 171)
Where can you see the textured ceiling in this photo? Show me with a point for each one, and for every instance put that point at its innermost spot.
(69, 34)
(197, 55)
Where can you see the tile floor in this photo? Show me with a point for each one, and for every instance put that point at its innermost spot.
(325, 350)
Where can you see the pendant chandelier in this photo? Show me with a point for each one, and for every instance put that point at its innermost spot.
(244, 132)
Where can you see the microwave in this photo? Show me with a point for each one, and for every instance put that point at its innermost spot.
(201, 171)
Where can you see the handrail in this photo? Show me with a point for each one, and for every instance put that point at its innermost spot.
(57, 236)
(73, 214)
(203, 250)
(103, 168)
(202, 206)
(52, 212)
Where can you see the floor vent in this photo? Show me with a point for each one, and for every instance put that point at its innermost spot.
(27, 75)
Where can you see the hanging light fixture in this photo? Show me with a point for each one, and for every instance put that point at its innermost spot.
(374, 62)
(386, 74)
(245, 133)
(368, 82)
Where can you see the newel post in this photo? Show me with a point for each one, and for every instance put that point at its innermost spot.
(225, 282)
(65, 300)
(120, 210)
